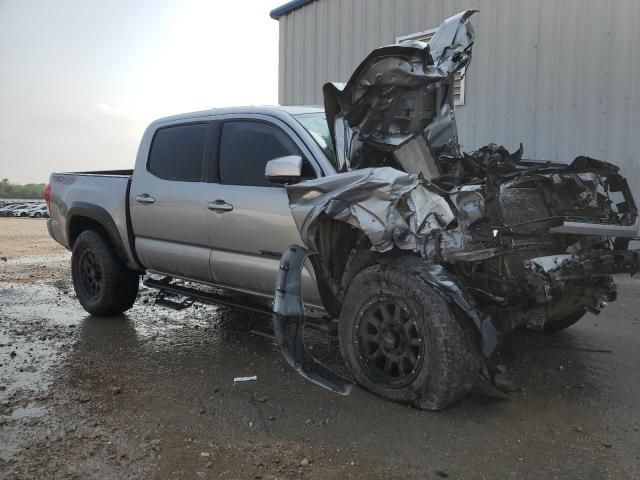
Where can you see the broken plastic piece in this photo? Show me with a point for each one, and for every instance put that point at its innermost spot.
(288, 322)
(252, 378)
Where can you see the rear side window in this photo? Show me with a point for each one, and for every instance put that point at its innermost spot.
(177, 153)
(245, 149)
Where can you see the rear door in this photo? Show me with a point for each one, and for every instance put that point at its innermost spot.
(250, 223)
(168, 202)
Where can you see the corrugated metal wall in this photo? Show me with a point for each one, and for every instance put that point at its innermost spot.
(563, 77)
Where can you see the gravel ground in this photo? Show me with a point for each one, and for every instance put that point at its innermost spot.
(150, 395)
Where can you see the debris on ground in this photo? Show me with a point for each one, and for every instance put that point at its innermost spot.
(252, 378)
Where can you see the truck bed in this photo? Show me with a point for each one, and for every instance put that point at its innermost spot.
(99, 195)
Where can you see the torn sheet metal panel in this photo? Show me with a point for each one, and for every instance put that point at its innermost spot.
(388, 205)
(585, 228)
(399, 92)
(415, 157)
(592, 264)
(450, 45)
(430, 211)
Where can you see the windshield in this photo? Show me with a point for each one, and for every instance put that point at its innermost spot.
(316, 125)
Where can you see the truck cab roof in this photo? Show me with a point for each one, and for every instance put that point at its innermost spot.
(274, 110)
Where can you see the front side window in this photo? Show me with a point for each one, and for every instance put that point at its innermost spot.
(177, 153)
(245, 149)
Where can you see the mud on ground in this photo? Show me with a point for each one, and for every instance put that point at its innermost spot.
(150, 394)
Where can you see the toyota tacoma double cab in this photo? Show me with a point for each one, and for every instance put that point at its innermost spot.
(420, 255)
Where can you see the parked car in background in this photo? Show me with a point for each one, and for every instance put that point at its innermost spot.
(6, 210)
(22, 211)
(39, 212)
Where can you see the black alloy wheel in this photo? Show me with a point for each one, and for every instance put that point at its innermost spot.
(103, 283)
(91, 274)
(390, 342)
(401, 339)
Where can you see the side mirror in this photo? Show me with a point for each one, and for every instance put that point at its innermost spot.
(284, 169)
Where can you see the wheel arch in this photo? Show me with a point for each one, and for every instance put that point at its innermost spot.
(345, 251)
(83, 216)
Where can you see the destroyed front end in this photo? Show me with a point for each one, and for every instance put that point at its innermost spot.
(504, 242)
(533, 244)
(536, 243)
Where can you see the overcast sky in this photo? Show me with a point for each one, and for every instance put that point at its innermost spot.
(80, 79)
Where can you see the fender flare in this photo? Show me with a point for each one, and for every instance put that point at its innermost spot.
(288, 323)
(102, 217)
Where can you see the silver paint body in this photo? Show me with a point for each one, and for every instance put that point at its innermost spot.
(222, 235)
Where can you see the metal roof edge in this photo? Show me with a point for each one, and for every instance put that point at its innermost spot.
(288, 7)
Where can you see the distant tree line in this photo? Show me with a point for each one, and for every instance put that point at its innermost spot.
(13, 190)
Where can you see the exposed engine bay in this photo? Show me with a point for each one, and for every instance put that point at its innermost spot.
(529, 243)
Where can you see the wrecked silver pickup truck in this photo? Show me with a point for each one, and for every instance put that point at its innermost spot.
(427, 254)
(421, 256)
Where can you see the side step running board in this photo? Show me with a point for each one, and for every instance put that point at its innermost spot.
(161, 299)
(202, 296)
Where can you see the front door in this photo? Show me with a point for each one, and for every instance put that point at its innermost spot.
(250, 223)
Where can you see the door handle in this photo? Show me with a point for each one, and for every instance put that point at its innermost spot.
(220, 206)
(145, 198)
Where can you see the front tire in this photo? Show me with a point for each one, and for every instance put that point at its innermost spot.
(402, 341)
(103, 284)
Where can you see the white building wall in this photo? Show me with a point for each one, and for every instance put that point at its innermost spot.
(560, 76)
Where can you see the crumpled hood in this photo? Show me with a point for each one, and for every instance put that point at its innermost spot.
(399, 92)
(391, 206)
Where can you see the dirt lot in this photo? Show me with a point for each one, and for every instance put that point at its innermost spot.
(26, 237)
(150, 395)
(27, 252)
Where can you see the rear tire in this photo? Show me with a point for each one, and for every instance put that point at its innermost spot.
(103, 284)
(37, 215)
(402, 341)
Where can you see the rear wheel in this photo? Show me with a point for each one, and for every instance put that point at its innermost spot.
(103, 284)
(401, 340)
(37, 215)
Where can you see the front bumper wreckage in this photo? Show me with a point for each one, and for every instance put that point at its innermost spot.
(508, 242)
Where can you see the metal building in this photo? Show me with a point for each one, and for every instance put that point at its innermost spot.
(562, 77)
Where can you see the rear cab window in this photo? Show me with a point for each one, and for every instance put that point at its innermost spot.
(245, 148)
(177, 152)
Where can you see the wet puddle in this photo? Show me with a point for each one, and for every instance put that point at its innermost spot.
(27, 411)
